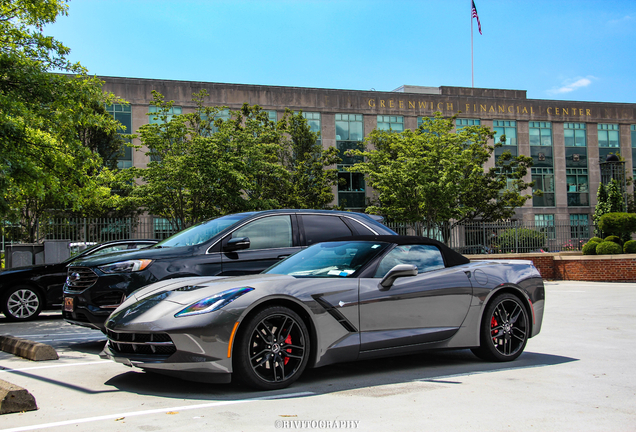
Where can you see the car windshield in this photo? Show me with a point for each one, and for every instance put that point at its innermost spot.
(329, 260)
(202, 232)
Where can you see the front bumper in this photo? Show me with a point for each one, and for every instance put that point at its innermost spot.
(94, 304)
(183, 365)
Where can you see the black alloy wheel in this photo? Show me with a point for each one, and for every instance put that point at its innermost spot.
(504, 329)
(272, 349)
(22, 303)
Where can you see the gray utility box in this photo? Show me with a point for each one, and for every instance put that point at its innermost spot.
(28, 254)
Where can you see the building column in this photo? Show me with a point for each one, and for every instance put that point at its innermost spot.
(594, 169)
(560, 177)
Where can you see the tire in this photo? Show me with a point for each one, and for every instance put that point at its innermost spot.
(22, 303)
(272, 349)
(504, 329)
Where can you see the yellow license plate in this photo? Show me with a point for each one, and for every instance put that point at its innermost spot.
(68, 304)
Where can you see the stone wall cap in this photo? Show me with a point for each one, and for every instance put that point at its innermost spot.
(595, 257)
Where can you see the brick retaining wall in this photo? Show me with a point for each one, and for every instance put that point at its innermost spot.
(575, 266)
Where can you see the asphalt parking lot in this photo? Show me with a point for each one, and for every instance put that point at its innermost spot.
(577, 375)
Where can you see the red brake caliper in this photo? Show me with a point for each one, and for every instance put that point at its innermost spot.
(288, 341)
(493, 324)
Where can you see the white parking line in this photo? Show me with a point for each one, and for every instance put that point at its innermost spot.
(153, 411)
(55, 366)
(59, 334)
(69, 339)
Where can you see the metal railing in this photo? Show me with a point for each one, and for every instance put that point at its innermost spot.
(505, 237)
(467, 238)
(88, 230)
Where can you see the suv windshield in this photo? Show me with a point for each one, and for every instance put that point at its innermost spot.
(202, 232)
(332, 259)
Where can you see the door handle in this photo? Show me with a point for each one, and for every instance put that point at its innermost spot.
(280, 257)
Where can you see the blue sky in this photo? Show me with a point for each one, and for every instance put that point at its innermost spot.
(569, 50)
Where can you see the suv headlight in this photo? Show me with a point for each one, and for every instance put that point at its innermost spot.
(125, 266)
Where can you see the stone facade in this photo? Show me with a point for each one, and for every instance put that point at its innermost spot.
(411, 102)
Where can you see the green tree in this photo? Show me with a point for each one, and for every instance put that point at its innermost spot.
(309, 184)
(618, 224)
(46, 161)
(203, 166)
(436, 176)
(608, 200)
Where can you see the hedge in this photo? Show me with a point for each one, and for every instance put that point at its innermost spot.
(629, 247)
(615, 239)
(618, 224)
(589, 248)
(608, 248)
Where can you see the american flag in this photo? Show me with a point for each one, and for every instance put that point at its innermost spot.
(476, 16)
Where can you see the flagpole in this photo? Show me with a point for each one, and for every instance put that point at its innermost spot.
(472, 65)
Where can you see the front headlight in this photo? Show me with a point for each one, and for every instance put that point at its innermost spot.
(126, 266)
(213, 303)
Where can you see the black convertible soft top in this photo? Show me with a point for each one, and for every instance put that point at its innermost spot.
(451, 258)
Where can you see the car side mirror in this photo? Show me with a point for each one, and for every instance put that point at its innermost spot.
(400, 270)
(237, 244)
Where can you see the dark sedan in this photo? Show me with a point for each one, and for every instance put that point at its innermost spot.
(345, 300)
(231, 245)
(25, 291)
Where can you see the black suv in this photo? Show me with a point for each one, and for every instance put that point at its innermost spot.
(232, 245)
(25, 291)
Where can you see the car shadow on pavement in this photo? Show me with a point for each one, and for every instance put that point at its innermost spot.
(441, 367)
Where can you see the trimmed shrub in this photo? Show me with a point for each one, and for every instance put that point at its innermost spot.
(596, 239)
(618, 224)
(609, 248)
(630, 247)
(589, 248)
(615, 239)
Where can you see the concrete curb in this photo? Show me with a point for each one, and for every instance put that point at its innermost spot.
(28, 349)
(15, 399)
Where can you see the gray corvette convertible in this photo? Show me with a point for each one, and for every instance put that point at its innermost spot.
(338, 301)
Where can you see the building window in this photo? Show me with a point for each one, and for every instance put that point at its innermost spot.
(578, 188)
(391, 123)
(574, 134)
(462, 123)
(272, 116)
(541, 144)
(540, 134)
(351, 189)
(313, 120)
(545, 222)
(608, 140)
(349, 136)
(543, 179)
(575, 145)
(123, 114)
(420, 122)
(223, 114)
(162, 228)
(579, 226)
(349, 127)
(154, 119)
(509, 129)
